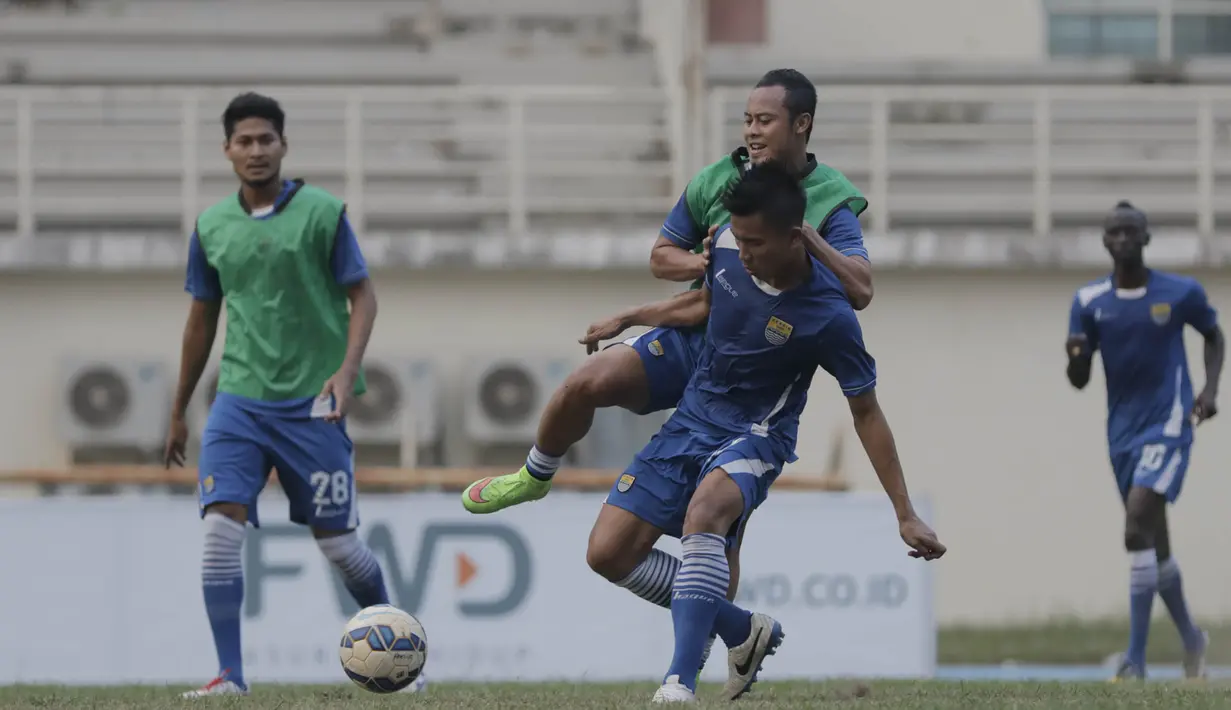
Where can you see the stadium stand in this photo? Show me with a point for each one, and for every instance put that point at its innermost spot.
(500, 155)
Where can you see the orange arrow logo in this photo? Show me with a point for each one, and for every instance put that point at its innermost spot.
(466, 570)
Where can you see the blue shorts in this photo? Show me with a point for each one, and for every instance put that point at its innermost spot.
(1159, 467)
(669, 356)
(245, 438)
(659, 484)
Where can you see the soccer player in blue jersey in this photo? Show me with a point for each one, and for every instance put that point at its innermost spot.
(648, 373)
(775, 315)
(1136, 317)
(283, 259)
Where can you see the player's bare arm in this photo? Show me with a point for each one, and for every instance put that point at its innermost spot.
(683, 310)
(1214, 352)
(1080, 359)
(855, 272)
(671, 262)
(362, 297)
(877, 438)
(199, 333)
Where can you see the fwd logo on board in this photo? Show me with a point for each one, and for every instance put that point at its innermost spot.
(488, 566)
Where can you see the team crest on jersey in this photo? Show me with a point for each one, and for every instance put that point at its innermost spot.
(777, 331)
(207, 486)
(655, 347)
(625, 482)
(1160, 313)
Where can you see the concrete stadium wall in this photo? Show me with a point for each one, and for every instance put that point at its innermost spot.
(971, 378)
(1004, 30)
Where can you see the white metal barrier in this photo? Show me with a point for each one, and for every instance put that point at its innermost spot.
(514, 159)
(1023, 157)
(410, 157)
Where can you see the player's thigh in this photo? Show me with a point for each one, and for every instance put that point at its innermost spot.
(734, 481)
(316, 467)
(233, 465)
(667, 357)
(658, 483)
(619, 541)
(1161, 468)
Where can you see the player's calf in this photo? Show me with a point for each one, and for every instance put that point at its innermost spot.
(699, 595)
(361, 573)
(613, 377)
(1139, 532)
(222, 584)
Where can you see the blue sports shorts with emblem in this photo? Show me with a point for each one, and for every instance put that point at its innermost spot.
(659, 483)
(669, 356)
(1159, 466)
(245, 438)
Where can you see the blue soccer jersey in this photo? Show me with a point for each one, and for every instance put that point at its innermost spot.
(764, 345)
(740, 411)
(1140, 335)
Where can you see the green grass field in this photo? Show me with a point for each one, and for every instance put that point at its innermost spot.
(1058, 642)
(886, 696)
(1069, 642)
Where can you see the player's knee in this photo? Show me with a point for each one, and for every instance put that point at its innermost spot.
(603, 381)
(237, 512)
(714, 509)
(1137, 535)
(609, 558)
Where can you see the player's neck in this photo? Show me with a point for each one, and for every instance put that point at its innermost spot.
(799, 273)
(260, 196)
(799, 163)
(1130, 275)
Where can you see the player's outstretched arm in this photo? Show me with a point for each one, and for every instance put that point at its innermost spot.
(672, 262)
(873, 430)
(684, 310)
(853, 270)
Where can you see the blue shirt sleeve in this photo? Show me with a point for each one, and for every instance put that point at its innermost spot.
(681, 228)
(843, 355)
(202, 279)
(347, 262)
(1197, 310)
(1082, 323)
(844, 233)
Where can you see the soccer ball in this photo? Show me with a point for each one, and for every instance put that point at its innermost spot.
(383, 649)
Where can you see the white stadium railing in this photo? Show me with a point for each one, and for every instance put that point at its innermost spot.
(517, 160)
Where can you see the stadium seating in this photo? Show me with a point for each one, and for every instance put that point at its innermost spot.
(952, 159)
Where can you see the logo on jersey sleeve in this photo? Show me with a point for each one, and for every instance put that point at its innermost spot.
(1160, 313)
(778, 331)
(655, 347)
(626, 482)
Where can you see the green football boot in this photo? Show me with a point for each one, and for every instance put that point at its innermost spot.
(492, 494)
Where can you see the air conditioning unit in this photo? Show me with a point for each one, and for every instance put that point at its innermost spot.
(505, 396)
(115, 402)
(397, 388)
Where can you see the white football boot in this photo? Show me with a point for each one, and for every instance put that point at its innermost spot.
(673, 691)
(216, 687)
(744, 661)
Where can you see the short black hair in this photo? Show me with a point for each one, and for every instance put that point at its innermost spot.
(252, 105)
(800, 93)
(1124, 214)
(771, 190)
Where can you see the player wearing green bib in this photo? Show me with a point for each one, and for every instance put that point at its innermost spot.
(649, 373)
(284, 260)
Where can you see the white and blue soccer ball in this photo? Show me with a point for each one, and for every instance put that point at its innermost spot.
(384, 649)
